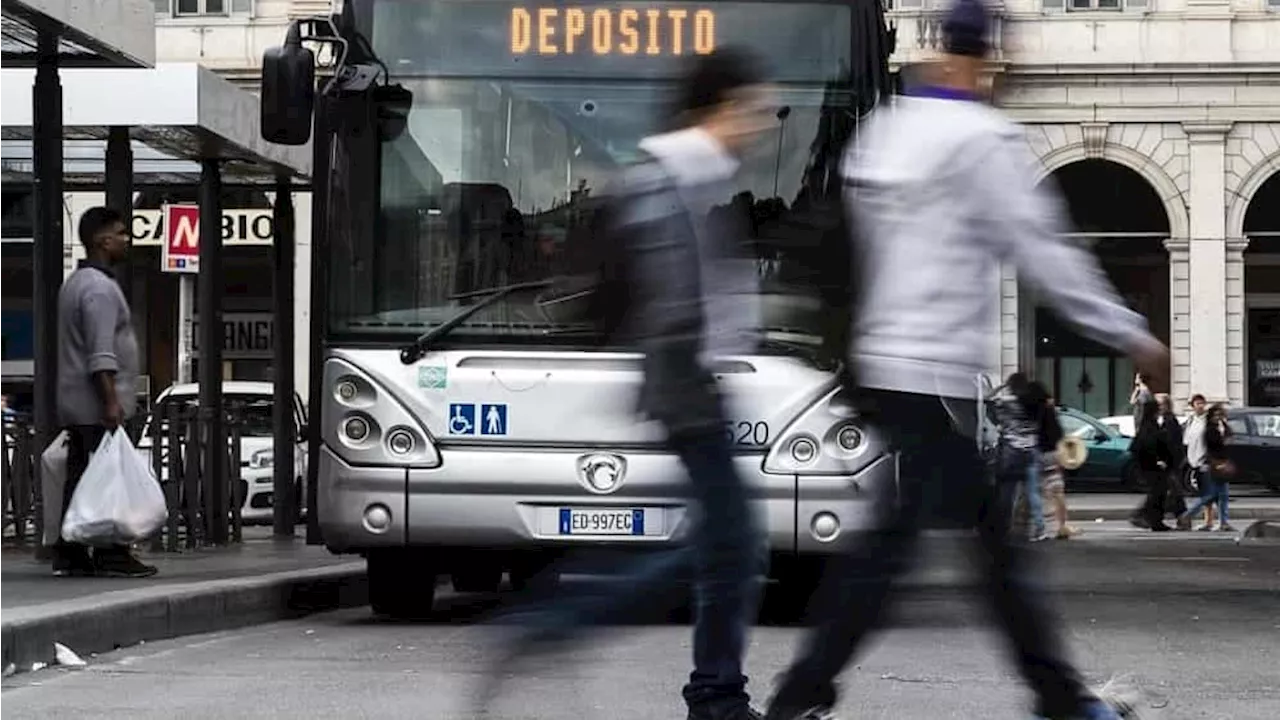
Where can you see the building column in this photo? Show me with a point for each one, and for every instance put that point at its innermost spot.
(1179, 317)
(1014, 336)
(1208, 260)
(1237, 377)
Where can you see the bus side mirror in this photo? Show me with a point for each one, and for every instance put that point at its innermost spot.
(288, 91)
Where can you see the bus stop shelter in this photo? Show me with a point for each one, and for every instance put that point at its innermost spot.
(173, 123)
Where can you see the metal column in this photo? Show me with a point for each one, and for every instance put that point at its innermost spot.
(285, 504)
(120, 190)
(49, 239)
(211, 284)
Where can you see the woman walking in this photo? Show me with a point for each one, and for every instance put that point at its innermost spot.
(1155, 456)
(1213, 474)
(1055, 483)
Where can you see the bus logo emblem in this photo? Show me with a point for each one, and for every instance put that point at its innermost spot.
(601, 473)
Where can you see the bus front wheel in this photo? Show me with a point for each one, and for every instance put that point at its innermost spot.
(402, 583)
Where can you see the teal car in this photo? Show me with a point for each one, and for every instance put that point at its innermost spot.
(1108, 461)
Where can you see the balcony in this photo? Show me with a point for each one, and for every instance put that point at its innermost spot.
(920, 31)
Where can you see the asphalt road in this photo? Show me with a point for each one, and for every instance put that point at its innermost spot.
(1194, 618)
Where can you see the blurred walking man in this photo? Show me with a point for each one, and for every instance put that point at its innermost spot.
(942, 190)
(686, 290)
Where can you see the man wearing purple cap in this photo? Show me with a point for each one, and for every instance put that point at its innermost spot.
(942, 190)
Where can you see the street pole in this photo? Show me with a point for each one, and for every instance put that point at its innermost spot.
(284, 505)
(784, 112)
(119, 177)
(211, 285)
(49, 241)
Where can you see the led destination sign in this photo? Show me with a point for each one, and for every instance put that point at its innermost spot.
(654, 31)
(582, 40)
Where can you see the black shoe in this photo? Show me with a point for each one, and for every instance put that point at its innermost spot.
(72, 561)
(742, 712)
(1160, 528)
(121, 565)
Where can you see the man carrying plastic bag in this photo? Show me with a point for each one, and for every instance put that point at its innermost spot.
(97, 391)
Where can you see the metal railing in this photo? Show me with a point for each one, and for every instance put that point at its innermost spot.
(178, 437)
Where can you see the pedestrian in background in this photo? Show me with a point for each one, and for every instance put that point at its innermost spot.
(97, 376)
(686, 309)
(1155, 456)
(1020, 407)
(1175, 502)
(942, 189)
(1055, 481)
(1215, 472)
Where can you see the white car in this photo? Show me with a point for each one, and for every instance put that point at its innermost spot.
(1122, 424)
(253, 403)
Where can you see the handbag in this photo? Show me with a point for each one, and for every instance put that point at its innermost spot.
(1223, 468)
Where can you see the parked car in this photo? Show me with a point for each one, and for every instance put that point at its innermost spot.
(1122, 424)
(253, 403)
(1255, 445)
(1108, 461)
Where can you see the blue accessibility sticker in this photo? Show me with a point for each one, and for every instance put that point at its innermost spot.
(493, 419)
(462, 419)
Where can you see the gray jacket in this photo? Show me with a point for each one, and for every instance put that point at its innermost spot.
(944, 191)
(693, 295)
(95, 334)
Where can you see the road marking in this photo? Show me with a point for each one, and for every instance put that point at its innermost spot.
(1202, 558)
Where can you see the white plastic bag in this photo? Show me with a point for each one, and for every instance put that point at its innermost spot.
(53, 478)
(118, 500)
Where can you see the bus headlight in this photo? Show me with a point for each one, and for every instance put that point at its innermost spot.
(849, 438)
(371, 421)
(826, 439)
(804, 450)
(400, 441)
(356, 429)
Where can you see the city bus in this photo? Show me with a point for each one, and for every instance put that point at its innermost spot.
(470, 423)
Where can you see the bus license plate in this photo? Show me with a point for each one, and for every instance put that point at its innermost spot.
(601, 521)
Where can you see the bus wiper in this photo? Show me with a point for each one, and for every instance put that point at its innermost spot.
(415, 351)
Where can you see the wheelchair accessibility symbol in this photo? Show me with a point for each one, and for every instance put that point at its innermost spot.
(462, 419)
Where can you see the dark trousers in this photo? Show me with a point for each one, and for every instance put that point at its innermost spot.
(81, 441)
(1176, 503)
(728, 557)
(850, 602)
(1157, 496)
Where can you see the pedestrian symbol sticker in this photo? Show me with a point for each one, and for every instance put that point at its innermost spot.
(462, 419)
(433, 377)
(493, 419)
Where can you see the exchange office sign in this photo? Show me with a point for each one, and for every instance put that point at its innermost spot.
(245, 336)
(239, 227)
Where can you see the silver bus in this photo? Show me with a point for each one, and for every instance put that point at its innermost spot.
(470, 422)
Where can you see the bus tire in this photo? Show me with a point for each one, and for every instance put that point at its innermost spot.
(402, 583)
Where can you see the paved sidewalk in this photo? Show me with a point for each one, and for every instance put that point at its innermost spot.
(1087, 507)
(260, 580)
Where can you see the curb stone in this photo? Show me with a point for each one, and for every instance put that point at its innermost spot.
(1083, 515)
(110, 621)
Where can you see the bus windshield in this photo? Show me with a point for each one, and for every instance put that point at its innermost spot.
(521, 114)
